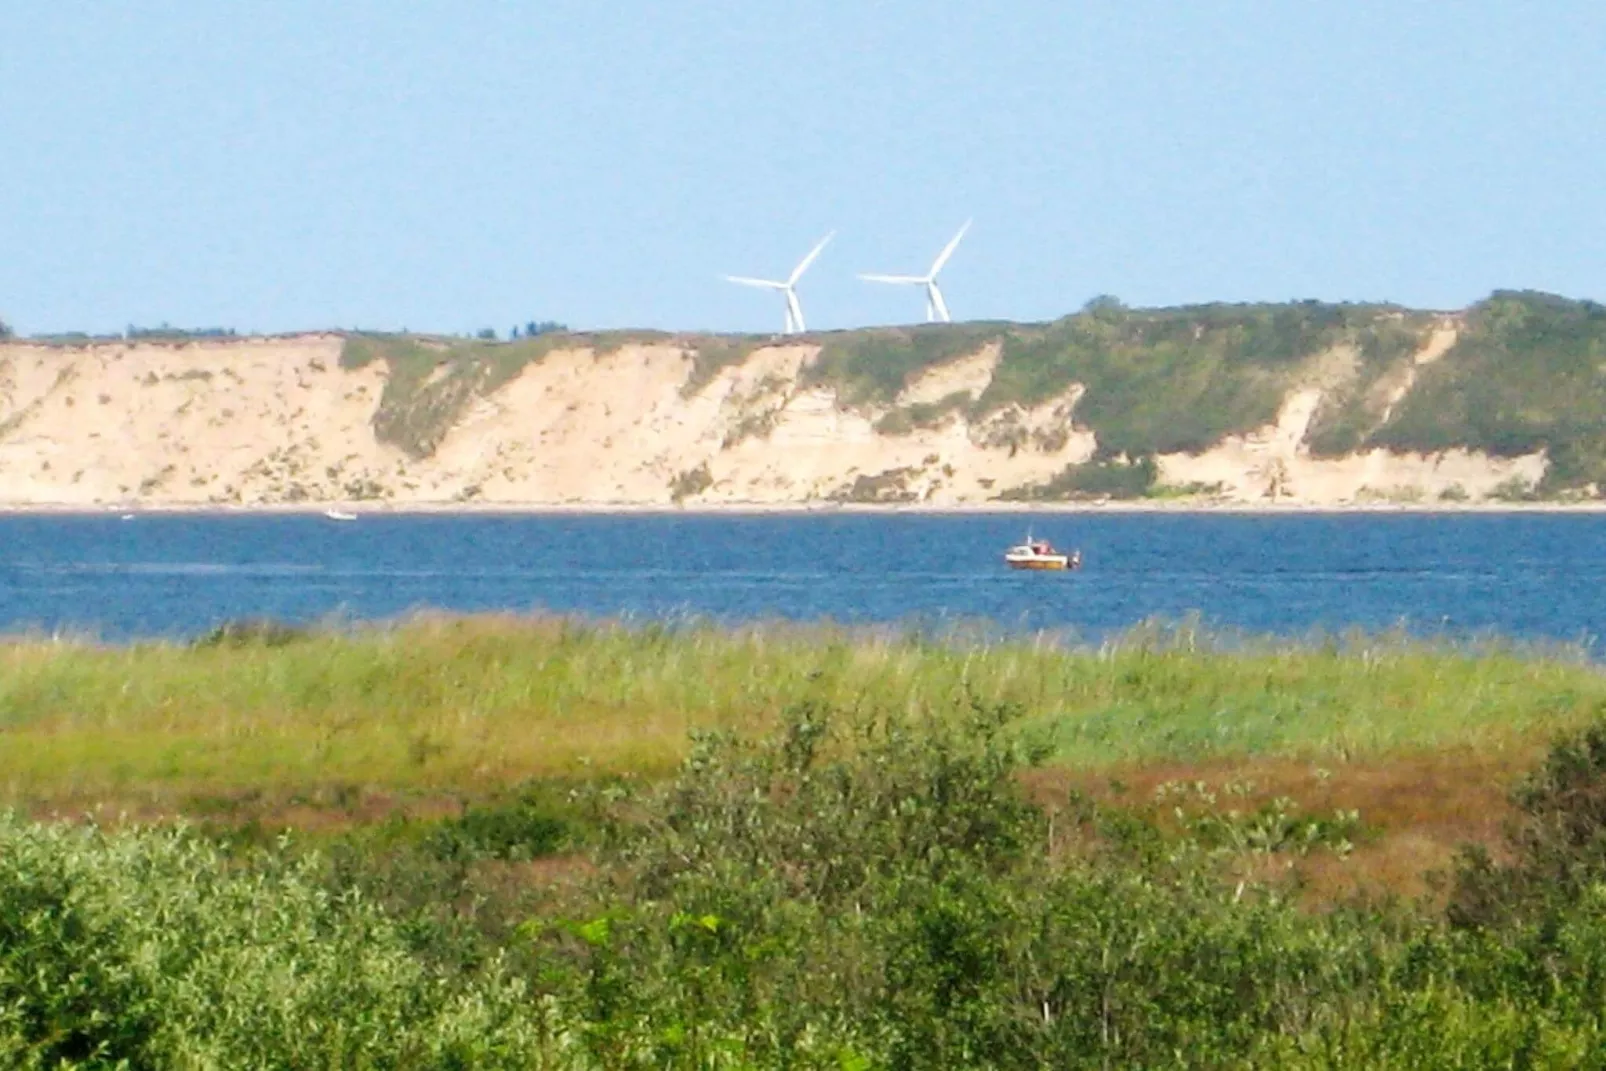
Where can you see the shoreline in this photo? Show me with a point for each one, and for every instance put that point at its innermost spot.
(1139, 506)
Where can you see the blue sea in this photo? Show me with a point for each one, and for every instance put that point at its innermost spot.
(1526, 576)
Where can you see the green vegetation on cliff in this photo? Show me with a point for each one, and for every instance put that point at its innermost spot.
(870, 366)
(1527, 373)
(431, 381)
(1156, 380)
(1107, 478)
(1169, 380)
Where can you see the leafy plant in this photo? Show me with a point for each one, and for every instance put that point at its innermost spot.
(1557, 846)
(144, 949)
(530, 826)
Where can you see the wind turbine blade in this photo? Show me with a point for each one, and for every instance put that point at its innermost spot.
(803, 265)
(790, 328)
(767, 284)
(934, 296)
(948, 250)
(892, 278)
(794, 307)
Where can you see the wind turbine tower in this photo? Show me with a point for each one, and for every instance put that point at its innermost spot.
(936, 307)
(794, 309)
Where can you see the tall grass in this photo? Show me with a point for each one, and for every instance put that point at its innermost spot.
(483, 702)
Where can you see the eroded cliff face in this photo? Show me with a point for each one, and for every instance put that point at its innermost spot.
(279, 420)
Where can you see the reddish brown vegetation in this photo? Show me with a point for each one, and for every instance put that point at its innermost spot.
(1416, 810)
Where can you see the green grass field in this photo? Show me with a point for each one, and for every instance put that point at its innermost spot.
(475, 704)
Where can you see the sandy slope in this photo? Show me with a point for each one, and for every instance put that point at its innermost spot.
(258, 422)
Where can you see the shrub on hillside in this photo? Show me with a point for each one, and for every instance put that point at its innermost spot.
(1100, 478)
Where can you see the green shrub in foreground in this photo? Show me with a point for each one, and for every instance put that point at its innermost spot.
(884, 885)
(144, 949)
(879, 889)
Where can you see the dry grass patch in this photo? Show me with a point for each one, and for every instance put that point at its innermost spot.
(1416, 810)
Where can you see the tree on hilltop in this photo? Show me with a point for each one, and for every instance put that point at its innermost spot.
(1108, 304)
(6, 331)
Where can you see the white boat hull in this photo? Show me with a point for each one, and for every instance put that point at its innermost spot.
(1038, 561)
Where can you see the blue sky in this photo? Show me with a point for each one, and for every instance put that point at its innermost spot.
(451, 165)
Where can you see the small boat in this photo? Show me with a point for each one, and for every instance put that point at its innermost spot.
(339, 515)
(1040, 554)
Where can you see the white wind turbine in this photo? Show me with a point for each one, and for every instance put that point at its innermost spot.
(936, 307)
(794, 310)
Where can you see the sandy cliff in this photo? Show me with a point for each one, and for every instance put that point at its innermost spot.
(280, 420)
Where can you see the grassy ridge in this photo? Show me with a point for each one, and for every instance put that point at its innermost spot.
(487, 702)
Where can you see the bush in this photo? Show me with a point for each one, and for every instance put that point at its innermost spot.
(253, 632)
(876, 892)
(529, 827)
(144, 949)
(1557, 847)
(168, 333)
(1113, 478)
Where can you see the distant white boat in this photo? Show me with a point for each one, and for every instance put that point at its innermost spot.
(339, 515)
(1040, 554)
